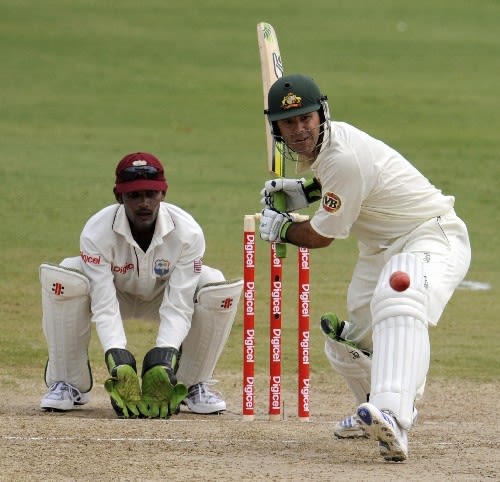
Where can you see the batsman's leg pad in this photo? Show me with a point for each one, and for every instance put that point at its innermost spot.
(353, 364)
(214, 313)
(66, 325)
(401, 348)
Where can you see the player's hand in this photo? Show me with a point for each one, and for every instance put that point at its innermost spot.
(273, 225)
(125, 391)
(293, 190)
(161, 394)
(299, 193)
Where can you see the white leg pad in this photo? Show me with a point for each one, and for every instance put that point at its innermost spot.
(401, 348)
(66, 325)
(354, 365)
(214, 313)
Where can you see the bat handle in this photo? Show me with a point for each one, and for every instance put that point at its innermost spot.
(280, 205)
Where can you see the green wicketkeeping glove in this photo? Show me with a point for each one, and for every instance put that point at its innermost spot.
(161, 394)
(123, 385)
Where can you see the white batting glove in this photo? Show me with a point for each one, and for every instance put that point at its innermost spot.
(293, 189)
(299, 193)
(273, 225)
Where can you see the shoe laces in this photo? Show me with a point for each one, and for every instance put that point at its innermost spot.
(389, 418)
(393, 421)
(201, 392)
(349, 421)
(59, 388)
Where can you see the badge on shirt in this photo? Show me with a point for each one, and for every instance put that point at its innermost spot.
(161, 267)
(331, 202)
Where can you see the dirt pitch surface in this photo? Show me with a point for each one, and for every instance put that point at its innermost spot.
(456, 438)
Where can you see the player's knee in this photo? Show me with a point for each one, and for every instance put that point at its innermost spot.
(219, 297)
(210, 275)
(74, 262)
(401, 290)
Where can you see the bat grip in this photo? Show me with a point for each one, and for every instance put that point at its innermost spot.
(280, 205)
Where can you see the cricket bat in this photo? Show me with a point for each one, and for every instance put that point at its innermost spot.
(272, 69)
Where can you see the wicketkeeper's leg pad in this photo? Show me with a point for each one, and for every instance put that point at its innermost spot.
(66, 325)
(401, 348)
(214, 313)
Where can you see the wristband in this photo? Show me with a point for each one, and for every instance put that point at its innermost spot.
(284, 230)
(312, 190)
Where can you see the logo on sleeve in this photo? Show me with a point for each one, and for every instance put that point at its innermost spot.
(331, 202)
(87, 258)
(198, 263)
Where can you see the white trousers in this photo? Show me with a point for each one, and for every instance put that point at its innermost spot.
(443, 245)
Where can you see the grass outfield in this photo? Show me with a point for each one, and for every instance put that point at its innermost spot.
(85, 82)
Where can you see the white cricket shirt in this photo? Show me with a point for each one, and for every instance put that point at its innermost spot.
(371, 191)
(114, 262)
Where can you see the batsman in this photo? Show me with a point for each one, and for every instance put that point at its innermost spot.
(140, 258)
(402, 223)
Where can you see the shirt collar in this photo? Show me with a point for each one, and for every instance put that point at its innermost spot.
(164, 225)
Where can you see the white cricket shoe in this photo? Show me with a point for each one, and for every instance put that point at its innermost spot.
(350, 427)
(382, 426)
(62, 397)
(202, 400)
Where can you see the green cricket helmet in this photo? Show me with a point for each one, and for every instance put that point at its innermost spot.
(293, 95)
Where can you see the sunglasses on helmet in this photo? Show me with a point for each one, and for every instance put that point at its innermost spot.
(137, 172)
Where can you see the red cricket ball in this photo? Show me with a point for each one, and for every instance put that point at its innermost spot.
(399, 281)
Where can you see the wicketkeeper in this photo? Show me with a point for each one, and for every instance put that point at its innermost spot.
(139, 259)
(402, 223)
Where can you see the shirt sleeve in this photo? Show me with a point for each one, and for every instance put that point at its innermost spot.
(177, 307)
(104, 302)
(342, 187)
